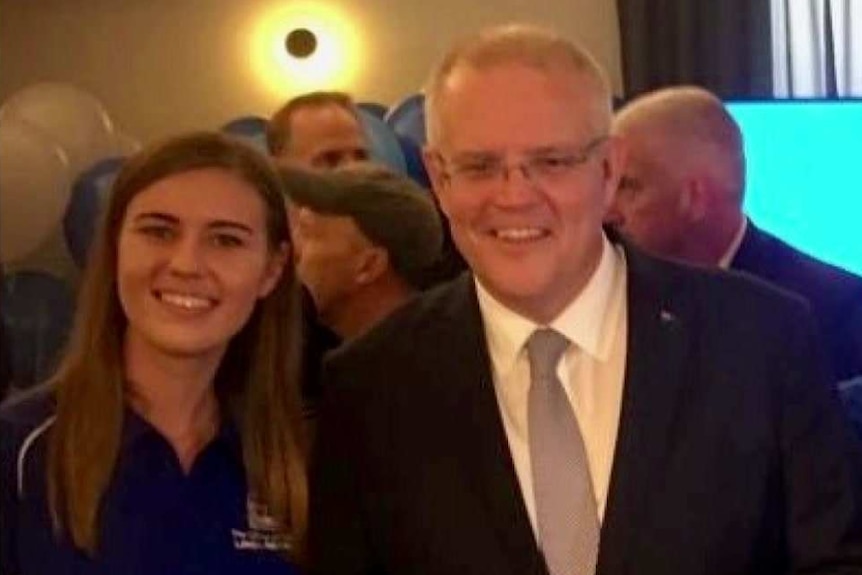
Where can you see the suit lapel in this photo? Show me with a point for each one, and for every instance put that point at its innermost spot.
(654, 378)
(482, 443)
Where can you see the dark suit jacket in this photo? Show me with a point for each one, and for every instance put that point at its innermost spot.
(317, 341)
(834, 294)
(732, 455)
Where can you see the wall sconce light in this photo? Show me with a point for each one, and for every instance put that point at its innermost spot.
(300, 43)
(305, 45)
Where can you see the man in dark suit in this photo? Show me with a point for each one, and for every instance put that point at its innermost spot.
(573, 406)
(681, 197)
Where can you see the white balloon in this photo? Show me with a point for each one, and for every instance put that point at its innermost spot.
(124, 145)
(73, 118)
(34, 187)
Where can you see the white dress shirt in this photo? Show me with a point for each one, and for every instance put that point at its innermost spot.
(592, 369)
(730, 252)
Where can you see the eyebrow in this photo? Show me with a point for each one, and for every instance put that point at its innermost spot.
(173, 220)
(557, 149)
(562, 147)
(473, 155)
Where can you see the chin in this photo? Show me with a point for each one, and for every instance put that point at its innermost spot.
(193, 349)
(191, 344)
(515, 287)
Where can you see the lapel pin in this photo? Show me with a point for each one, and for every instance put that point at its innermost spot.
(666, 316)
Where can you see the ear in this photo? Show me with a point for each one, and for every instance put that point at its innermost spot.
(694, 199)
(276, 262)
(613, 163)
(373, 263)
(434, 167)
(292, 221)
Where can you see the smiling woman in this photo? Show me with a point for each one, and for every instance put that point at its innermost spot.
(170, 436)
(190, 272)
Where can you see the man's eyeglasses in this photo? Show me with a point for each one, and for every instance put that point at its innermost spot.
(541, 166)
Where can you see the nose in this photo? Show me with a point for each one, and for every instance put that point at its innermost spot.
(517, 186)
(521, 168)
(187, 257)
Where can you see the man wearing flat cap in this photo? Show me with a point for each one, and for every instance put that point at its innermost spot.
(368, 236)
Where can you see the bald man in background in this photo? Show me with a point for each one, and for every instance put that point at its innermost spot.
(681, 197)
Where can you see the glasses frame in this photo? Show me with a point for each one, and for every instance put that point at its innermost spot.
(502, 170)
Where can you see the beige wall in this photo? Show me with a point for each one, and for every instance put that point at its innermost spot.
(162, 66)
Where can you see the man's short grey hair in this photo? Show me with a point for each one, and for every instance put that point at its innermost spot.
(697, 130)
(530, 45)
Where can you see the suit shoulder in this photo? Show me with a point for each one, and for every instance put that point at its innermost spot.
(731, 290)
(411, 325)
(818, 281)
(748, 293)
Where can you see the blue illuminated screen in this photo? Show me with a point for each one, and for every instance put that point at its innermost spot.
(803, 160)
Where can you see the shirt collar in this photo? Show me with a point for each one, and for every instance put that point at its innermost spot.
(136, 429)
(730, 253)
(582, 321)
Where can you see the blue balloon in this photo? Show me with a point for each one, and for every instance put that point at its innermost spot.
(252, 129)
(90, 194)
(413, 160)
(37, 315)
(407, 118)
(383, 142)
(376, 109)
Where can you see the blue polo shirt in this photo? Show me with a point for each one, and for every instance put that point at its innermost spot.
(155, 519)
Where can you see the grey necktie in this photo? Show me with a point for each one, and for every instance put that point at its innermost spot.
(566, 512)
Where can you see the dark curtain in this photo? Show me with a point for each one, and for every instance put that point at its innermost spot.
(829, 51)
(5, 369)
(721, 45)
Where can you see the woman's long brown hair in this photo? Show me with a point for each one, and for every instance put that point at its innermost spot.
(257, 382)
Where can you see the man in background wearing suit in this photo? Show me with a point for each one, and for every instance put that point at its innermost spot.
(573, 406)
(681, 197)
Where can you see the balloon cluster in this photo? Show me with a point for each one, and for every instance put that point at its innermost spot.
(50, 136)
(49, 133)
